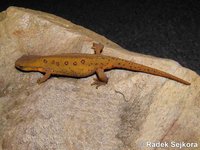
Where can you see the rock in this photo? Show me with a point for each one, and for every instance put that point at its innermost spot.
(67, 113)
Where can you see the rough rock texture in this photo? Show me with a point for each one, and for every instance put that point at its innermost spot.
(70, 114)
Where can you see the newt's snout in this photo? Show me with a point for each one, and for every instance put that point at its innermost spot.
(19, 67)
(21, 61)
(26, 62)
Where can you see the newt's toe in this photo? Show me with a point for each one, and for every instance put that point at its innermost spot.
(97, 83)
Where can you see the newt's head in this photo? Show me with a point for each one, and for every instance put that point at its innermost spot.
(28, 63)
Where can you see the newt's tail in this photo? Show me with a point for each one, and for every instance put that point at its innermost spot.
(124, 64)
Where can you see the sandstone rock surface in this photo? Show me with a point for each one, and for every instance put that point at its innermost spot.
(70, 114)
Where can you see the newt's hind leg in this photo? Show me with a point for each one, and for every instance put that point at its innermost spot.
(102, 78)
(98, 48)
(45, 77)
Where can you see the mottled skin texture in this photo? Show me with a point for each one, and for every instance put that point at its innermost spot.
(83, 65)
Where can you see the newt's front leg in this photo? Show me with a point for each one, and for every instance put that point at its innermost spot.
(48, 73)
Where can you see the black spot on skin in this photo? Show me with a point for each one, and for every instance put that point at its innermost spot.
(45, 61)
(96, 63)
(57, 63)
(66, 62)
(75, 63)
(82, 61)
(119, 63)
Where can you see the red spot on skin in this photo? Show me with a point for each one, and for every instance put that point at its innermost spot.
(53, 62)
(45, 61)
(57, 63)
(66, 62)
(75, 63)
(82, 61)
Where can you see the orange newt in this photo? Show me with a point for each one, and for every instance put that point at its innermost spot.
(83, 65)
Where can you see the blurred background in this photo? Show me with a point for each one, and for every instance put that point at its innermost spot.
(163, 28)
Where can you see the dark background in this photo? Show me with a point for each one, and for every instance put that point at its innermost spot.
(163, 28)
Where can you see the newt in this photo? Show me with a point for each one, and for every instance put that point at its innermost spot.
(83, 65)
